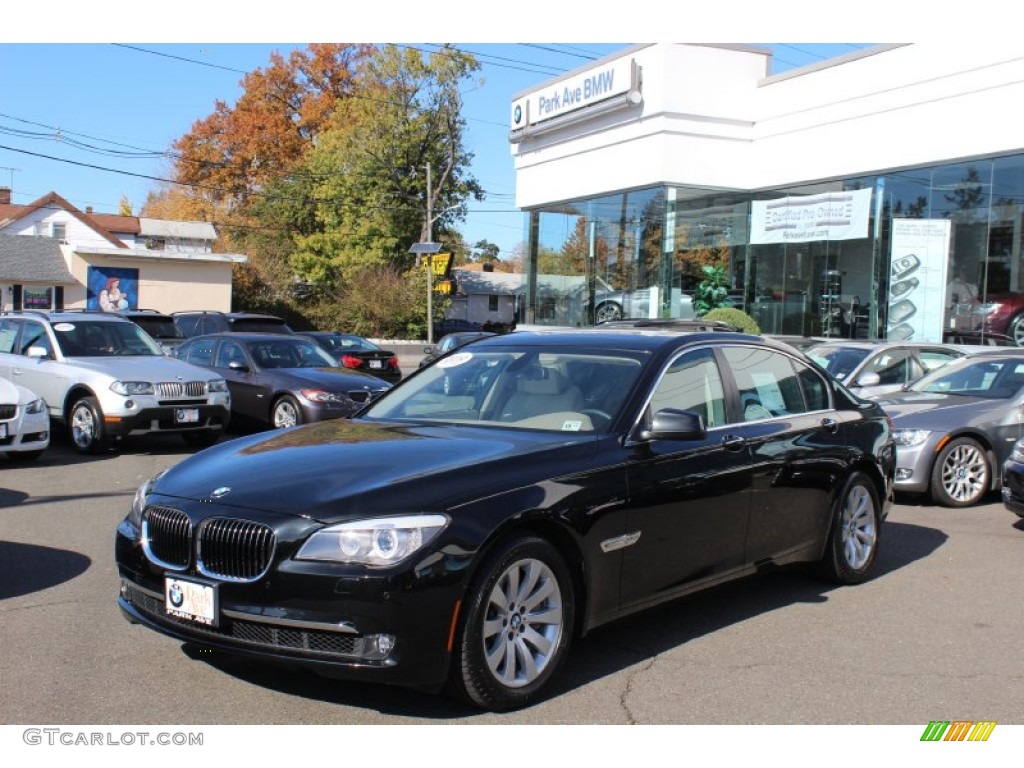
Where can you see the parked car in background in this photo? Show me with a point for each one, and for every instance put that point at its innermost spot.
(450, 342)
(454, 325)
(464, 536)
(358, 354)
(1013, 480)
(1002, 315)
(158, 325)
(106, 379)
(201, 322)
(281, 380)
(955, 427)
(871, 368)
(24, 423)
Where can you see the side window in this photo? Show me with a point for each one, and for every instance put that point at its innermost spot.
(692, 383)
(34, 335)
(814, 388)
(892, 367)
(8, 334)
(767, 383)
(230, 352)
(936, 358)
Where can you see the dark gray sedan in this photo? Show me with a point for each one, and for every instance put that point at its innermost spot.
(281, 380)
(955, 427)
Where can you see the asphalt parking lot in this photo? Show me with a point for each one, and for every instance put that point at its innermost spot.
(936, 635)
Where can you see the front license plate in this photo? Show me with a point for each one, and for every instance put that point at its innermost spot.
(376, 364)
(186, 415)
(191, 600)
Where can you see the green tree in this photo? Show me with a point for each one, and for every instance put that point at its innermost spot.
(485, 251)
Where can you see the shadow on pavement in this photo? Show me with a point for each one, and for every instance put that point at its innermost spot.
(27, 568)
(607, 650)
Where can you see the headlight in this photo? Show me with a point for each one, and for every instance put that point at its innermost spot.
(217, 385)
(910, 437)
(133, 387)
(141, 498)
(384, 541)
(320, 396)
(36, 406)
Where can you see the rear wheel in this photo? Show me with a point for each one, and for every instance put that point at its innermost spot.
(286, 412)
(961, 476)
(85, 426)
(853, 541)
(516, 626)
(1016, 330)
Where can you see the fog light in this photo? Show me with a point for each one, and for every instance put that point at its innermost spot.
(904, 474)
(124, 589)
(375, 647)
(129, 404)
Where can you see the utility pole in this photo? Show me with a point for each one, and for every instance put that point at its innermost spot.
(430, 264)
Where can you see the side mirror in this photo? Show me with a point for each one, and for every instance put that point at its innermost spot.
(234, 365)
(39, 353)
(674, 424)
(869, 379)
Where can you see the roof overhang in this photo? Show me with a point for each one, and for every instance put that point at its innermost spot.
(147, 254)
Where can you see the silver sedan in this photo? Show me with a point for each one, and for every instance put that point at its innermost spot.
(955, 427)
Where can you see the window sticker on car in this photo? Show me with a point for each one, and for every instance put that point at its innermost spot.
(64, 327)
(572, 425)
(459, 358)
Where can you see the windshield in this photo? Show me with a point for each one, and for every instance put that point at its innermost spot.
(567, 391)
(288, 352)
(343, 344)
(839, 361)
(86, 338)
(1000, 378)
(159, 327)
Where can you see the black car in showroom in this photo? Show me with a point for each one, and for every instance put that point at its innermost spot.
(465, 527)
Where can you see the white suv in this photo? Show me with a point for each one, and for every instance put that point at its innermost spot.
(107, 379)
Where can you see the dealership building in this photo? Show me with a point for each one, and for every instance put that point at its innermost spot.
(878, 194)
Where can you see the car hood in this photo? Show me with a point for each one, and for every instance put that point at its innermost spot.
(341, 469)
(333, 379)
(928, 408)
(143, 368)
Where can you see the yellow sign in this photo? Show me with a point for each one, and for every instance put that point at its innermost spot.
(441, 263)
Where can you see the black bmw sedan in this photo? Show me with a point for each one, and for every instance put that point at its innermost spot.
(464, 528)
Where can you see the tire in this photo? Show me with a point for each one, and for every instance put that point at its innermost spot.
(85, 426)
(1015, 330)
(510, 644)
(201, 438)
(856, 528)
(285, 413)
(606, 311)
(961, 475)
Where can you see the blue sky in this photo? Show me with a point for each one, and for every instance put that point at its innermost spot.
(105, 110)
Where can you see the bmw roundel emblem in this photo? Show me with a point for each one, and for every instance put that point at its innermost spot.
(518, 114)
(220, 492)
(176, 595)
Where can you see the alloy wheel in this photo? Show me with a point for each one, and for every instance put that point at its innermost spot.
(965, 473)
(83, 427)
(859, 531)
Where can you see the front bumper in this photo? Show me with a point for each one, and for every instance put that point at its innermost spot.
(323, 616)
(914, 466)
(167, 419)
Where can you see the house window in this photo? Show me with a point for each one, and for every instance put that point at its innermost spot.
(59, 231)
(36, 297)
(492, 303)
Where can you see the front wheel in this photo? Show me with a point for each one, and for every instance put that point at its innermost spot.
(607, 311)
(85, 426)
(286, 412)
(1016, 330)
(961, 476)
(516, 626)
(853, 540)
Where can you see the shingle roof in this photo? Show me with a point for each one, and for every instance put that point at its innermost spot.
(12, 212)
(29, 259)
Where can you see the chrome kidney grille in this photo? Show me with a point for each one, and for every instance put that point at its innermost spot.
(8, 412)
(225, 548)
(172, 389)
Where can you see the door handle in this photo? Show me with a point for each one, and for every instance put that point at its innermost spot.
(733, 442)
(831, 425)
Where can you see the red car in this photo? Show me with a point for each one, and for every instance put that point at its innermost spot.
(359, 354)
(1004, 314)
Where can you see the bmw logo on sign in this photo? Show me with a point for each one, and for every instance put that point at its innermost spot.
(518, 114)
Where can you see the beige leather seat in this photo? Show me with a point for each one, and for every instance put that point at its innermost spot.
(541, 391)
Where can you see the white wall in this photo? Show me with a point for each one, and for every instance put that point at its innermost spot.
(710, 118)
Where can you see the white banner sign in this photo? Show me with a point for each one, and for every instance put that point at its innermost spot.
(828, 216)
(917, 279)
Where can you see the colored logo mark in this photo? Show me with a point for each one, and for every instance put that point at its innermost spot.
(958, 730)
